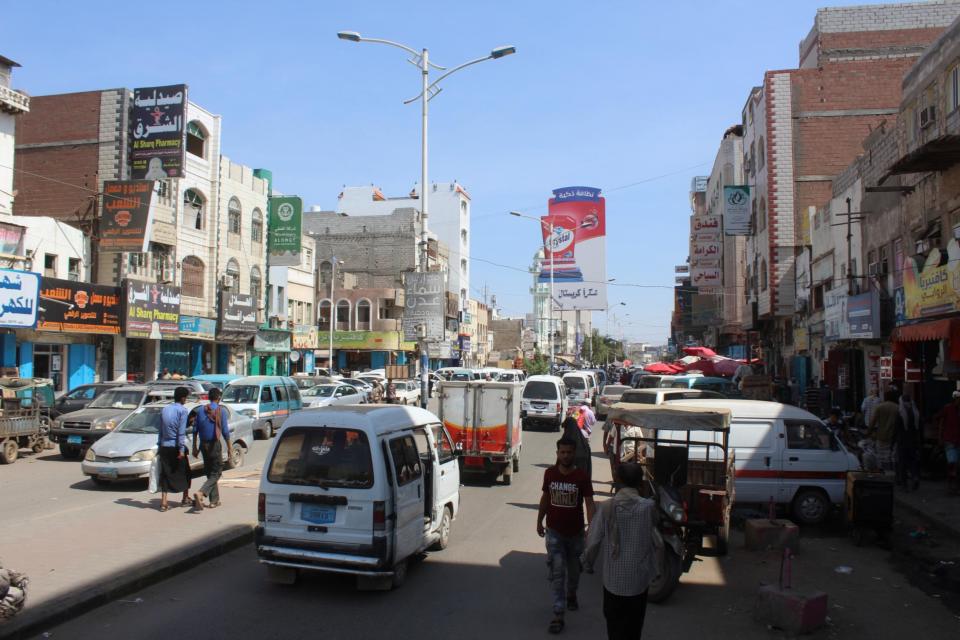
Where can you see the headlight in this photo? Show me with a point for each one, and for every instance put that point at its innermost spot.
(144, 456)
(108, 425)
(90, 456)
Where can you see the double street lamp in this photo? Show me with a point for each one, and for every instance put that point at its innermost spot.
(428, 90)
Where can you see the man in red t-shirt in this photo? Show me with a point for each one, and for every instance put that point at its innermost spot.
(566, 489)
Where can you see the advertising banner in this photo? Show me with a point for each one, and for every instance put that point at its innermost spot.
(736, 210)
(706, 253)
(305, 336)
(157, 127)
(78, 307)
(18, 298)
(835, 324)
(127, 215)
(194, 328)
(371, 340)
(863, 316)
(574, 232)
(271, 341)
(284, 231)
(151, 311)
(425, 305)
(11, 239)
(238, 314)
(934, 289)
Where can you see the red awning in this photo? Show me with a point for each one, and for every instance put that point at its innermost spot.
(932, 330)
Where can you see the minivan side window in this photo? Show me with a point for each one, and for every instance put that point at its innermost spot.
(808, 434)
(293, 392)
(444, 447)
(266, 395)
(406, 462)
(280, 395)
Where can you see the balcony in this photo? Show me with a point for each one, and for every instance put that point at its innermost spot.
(13, 101)
(937, 154)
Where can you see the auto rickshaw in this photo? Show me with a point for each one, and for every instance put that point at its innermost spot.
(24, 415)
(690, 474)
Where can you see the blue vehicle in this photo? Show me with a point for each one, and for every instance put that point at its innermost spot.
(269, 400)
(219, 380)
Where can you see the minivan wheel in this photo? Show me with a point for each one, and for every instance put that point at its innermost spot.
(268, 431)
(811, 506)
(399, 574)
(445, 522)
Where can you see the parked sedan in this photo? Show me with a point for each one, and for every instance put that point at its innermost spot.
(127, 452)
(611, 394)
(80, 397)
(325, 395)
(362, 386)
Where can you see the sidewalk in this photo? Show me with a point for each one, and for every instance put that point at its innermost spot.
(89, 555)
(932, 503)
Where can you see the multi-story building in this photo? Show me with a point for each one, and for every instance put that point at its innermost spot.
(207, 236)
(301, 292)
(803, 126)
(448, 219)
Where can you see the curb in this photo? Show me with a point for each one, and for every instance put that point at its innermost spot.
(936, 520)
(85, 597)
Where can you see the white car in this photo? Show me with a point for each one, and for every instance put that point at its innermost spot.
(408, 391)
(325, 395)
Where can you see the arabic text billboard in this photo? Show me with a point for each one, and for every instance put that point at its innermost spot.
(18, 298)
(574, 232)
(126, 218)
(424, 305)
(284, 231)
(152, 311)
(736, 210)
(78, 307)
(157, 127)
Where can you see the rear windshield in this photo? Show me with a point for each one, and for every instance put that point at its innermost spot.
(322, 457)
(614, 389)
(575, 382)
(540, 389)
(649, 382)
(639, 398)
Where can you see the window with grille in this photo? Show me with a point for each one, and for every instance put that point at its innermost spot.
(255, 285)
(363, 315)
(343, 316)
(192, 283)
(234, 215)
(193, 209)
(73, 269)
(196, 139)
(324, 315)
(256, 228)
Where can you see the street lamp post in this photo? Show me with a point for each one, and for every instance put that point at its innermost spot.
(427, 91)
(333, 310)
(545, 226)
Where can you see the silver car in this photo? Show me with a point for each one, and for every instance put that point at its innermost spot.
(325, 395)
(127, 452)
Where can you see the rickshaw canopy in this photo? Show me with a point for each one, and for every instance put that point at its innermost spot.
(670, 418)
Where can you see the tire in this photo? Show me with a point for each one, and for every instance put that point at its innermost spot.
(69, 451)
(507, 476)
(9, 451)
(38, 446)
(268, 430)
(516, 463)
(399, 574)
(445, 522)
(810, 506)
(236, 456)
(670, 568)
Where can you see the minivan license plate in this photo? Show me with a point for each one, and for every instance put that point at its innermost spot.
(318, 514)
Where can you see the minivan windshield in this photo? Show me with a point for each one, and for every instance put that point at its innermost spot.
(540, 390)
(241, 393)
(322, 457)
(574, 382)
(118, 399)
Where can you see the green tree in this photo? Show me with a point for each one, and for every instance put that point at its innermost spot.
(539, 365)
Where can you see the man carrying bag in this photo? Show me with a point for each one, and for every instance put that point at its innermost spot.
(211, 428)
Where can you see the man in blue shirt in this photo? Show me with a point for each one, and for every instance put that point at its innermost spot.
(211, 427)
(172, 449)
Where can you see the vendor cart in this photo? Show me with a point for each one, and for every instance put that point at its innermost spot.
(24, 421)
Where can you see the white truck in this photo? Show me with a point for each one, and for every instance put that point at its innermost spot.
(483, 418)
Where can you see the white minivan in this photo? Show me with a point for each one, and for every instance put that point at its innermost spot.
(579, 386)
(356, 490)
(785, 454)
(544, 401)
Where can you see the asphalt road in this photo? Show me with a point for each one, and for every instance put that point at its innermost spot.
(491, 583)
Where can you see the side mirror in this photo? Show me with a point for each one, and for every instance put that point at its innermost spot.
(458, 449)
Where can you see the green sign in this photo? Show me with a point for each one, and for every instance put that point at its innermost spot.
(283, 233)
(369, 340)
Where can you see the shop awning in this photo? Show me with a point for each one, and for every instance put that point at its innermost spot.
(931, 330)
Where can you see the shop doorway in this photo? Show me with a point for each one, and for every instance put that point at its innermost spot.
(48, 362)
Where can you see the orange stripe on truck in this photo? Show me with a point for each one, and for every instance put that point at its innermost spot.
(492, 438)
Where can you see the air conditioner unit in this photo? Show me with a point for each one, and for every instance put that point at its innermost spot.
(227, 281)
(927, 116)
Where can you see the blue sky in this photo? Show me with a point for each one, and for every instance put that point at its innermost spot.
(632, 97)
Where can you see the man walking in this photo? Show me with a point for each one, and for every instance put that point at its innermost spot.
(211, 428)
(566, 489)
(172, 449)
(908, 439)
(622, 535)
(882, 428)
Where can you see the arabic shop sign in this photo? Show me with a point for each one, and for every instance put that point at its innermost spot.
(934, 289)
(371, 340)
(18, 298)
(424, 306)
(157, 127)
(706, 252)
(238, 313)
(736, 210)
(268, 341)
(194, 328)
(78, 307)
(284, 231)
(305, 336)
(127, 215)
(863, 316)
(151, 311)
